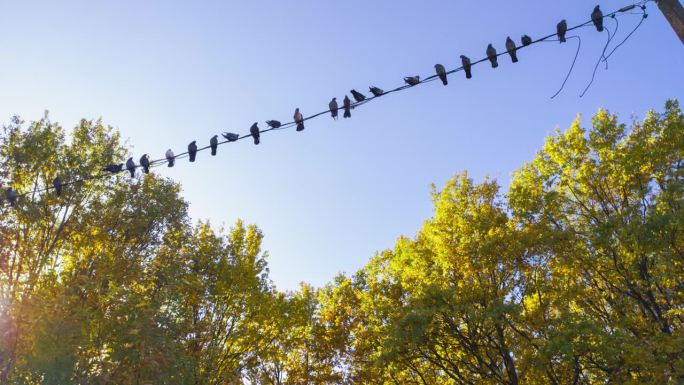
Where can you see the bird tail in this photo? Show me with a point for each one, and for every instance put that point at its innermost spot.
(347, 114)
(256, 140)
(468, 74)
(171, 163)
(213, 151)
(445, 81)
(146, 169)
(514, 57)
(192, 157)
(494, 63)
(300, 126)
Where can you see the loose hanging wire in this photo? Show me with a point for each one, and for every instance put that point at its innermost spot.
(159, 162)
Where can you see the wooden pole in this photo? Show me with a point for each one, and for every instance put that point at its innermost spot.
(674, 13)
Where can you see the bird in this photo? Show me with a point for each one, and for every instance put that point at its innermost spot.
(130, 166)
(333, 108)
(465, 60)
(299, 119)
(192, 150)
(213, 143)
(561, 29)
(511, 48)
(376, 91)
(347, 107)
(491, 55)
(113, 168)
(57, 184)
(145, 163)
(254, 130)
(412, 80)
(441, 72)
(170, 157)
(231, 137)
(11, 196)
(272, 124)
(597, 18)
(359, 97)
(526, 40)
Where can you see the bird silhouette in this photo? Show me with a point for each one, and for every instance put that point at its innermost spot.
(145, 163)
(170, 157)
(299, 119)
(213, 143)
(113, 168)
(412, 80)
(376, 91)
(333, 107)
(347, 107)
(273, 124)
(465, 61)
(192, 150)
(526, 40)
(561, 29)
(597, 18)
(254, 130)
(11, 196)
(441, 72)
(57, 184)
(359, 97)
(511, 48)
(491, 55)
(130, 166)
(231, 137)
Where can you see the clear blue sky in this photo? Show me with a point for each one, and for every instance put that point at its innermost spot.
(165, 73)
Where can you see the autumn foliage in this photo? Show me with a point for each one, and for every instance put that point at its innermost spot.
(572, 275)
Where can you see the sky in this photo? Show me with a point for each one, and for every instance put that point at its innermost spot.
(327, 199)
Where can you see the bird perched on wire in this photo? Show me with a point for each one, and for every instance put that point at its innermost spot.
(376, 91)
(333, 107)
(113, 168)
(213, 143)
(145, 163)
(526, 40)
(511, 48)
(192, 150)
(299, 119)
(359, 97)
(441, 72)
(561, 29)
(412, 80)
(57, 184)
(170, 157)
(231, 137)
(273, 124)
(11, 196)
(130, 166)
(465, 61)
(597, 18)
(347, 107)
(254, 130)
(491, 55)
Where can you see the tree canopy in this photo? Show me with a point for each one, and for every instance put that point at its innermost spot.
(572, 275)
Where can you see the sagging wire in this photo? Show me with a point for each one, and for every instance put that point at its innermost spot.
(603, 55)
(572, 66)
(161, 161)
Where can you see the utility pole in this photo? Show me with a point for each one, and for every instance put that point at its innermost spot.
(674, 13)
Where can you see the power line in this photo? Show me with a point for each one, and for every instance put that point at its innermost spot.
(161, 161)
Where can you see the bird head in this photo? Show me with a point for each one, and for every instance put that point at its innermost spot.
(597, 8)
(214, 137)
(464, 57)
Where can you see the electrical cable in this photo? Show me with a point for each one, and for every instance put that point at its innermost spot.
(159, 162)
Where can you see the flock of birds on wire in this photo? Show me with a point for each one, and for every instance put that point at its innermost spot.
(441, 73)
